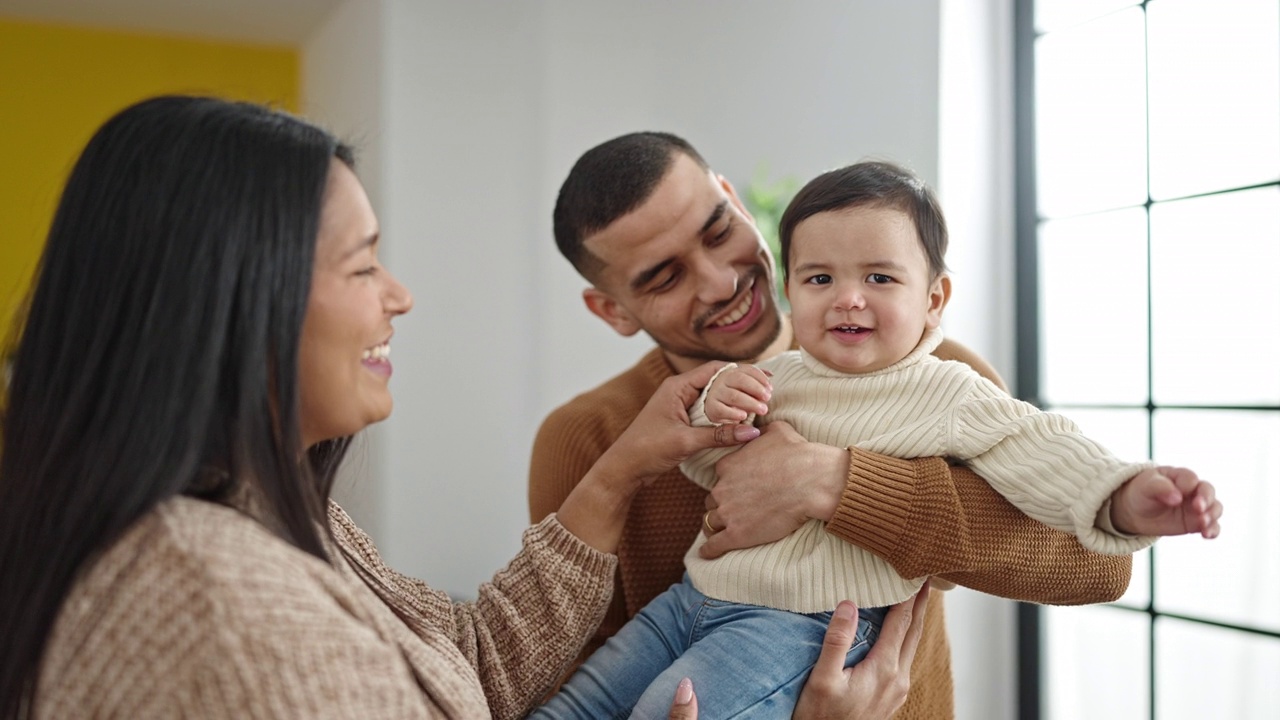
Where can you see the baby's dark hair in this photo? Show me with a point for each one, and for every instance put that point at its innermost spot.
(875, 183)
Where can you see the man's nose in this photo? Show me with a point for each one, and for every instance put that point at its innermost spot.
(717, 282)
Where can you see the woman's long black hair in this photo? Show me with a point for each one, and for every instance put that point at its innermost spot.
(158, 354)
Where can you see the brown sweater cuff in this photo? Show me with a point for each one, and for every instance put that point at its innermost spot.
(552, 534)
(877, 501)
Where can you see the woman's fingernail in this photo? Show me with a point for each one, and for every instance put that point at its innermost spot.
(684, 692)
(743, 433)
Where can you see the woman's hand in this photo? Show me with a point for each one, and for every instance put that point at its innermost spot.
(659, 439)
(685, 706)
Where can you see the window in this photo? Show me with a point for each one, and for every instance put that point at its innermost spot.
(1149, 312)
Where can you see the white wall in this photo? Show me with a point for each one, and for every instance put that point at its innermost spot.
(462, 225)
(475, 112)
(975, 186)
(975, 174)
(342, 68)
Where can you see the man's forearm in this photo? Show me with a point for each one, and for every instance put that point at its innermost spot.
(927, 518)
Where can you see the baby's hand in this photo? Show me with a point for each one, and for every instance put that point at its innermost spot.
(738, 392)
(1166, 501)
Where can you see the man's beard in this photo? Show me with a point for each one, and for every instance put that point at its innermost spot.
(751, 352)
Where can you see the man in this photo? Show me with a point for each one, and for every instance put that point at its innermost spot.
(670, 250)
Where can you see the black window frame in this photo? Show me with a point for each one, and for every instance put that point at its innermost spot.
(1030, 640)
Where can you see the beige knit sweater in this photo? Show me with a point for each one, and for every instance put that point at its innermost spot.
(918, 407)
(201, 611)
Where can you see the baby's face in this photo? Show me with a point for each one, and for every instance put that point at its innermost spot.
(860, 288)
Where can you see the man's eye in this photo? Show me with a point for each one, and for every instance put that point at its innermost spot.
(879, 279)
(667, 283)
(721, 236)
(368, 271)
(819, 280)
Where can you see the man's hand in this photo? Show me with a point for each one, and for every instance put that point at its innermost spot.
(876, 687)
(1166, 501)
(771, 486)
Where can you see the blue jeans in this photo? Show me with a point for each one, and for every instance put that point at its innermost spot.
(745, 661)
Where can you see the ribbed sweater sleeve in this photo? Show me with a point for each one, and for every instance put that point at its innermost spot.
(526, 625)
(1038, 460)
(1043, 464)
(701, 466)
(927, 518)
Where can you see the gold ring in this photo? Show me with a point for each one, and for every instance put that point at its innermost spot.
(706, 520)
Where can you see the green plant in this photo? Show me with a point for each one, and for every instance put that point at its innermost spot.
(765, 200)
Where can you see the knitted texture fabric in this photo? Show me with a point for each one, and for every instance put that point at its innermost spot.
(917, 407)
(922, 516)
(200, 611)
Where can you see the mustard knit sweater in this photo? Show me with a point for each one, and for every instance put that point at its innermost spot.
(921, 516)
(917, 407)
(201, 611)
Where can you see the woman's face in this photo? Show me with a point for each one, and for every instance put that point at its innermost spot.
(344, 354)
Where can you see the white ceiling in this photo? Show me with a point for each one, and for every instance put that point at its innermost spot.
(274, 22)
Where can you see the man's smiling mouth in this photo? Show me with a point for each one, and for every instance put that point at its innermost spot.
(736, 313)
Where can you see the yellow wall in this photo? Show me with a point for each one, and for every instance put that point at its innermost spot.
(58, 84)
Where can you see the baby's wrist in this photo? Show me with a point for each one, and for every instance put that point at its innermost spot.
(829, 479)
(1117, 509)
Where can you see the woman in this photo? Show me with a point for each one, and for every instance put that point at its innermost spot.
(209, 326)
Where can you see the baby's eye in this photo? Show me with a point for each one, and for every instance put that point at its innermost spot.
(879, 279)
(819, 280)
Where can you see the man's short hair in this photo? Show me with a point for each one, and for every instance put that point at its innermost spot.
(609, 181)
(874, 183)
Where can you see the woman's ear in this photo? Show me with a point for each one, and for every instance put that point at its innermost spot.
(939, 296)
(603, 306)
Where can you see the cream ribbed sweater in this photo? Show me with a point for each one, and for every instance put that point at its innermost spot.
(917, 407)
(201, 611)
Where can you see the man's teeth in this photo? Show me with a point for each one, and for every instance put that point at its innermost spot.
(379, 352)
(737, 313)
